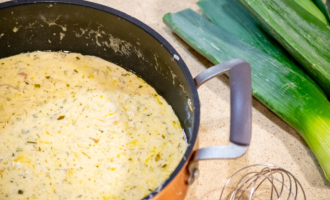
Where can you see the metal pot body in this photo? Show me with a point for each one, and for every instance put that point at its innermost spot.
(92, 29)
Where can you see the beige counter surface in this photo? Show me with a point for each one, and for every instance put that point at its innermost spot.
(273, 141)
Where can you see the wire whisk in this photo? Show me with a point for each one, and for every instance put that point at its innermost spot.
(271, 182)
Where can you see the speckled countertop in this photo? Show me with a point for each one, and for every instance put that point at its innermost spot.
(273, 141)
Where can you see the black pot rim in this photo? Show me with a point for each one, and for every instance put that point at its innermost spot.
(166, 45)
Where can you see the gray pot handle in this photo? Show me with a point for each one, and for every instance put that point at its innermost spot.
(240, 116)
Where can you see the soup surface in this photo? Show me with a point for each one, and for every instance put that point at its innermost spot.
(79, 127)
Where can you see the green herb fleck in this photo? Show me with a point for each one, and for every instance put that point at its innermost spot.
(37, 85)
(140, 86)
(164, 166)
(60, 117)
(31, 142)
(20, 192)
(75, 71)
(47, 77)
(78, 58)
(86, 155)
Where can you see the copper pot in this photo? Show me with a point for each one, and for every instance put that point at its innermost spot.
(92, 29)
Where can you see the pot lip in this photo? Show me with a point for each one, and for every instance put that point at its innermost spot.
(166, 45)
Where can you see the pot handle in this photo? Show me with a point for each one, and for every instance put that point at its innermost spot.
(240, 116)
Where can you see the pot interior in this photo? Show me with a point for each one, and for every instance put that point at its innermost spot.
(92, 29)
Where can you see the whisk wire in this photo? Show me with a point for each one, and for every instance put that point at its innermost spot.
(279, 179)
(253, 191)
(244, 183)
(264, 172)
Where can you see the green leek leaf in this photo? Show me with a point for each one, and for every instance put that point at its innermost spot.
(291, 96)
(305, 37)
(324, 6)
(309, 6)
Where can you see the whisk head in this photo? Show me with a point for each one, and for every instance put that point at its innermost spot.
(263, 181)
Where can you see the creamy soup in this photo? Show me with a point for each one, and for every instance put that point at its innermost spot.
(79, 127)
